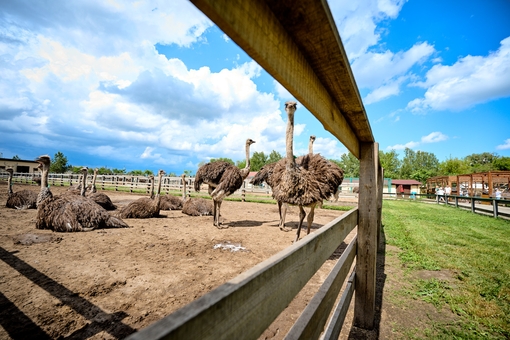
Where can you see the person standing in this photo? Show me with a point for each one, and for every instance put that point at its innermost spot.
(440, 194)
(498, 194)
(401, 190)
(447, 191)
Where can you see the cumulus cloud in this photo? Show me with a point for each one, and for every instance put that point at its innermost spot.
(433, 137)
(504, 146)
(471, 80)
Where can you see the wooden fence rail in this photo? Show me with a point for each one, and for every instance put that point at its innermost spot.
(487, 206)
(245, 306)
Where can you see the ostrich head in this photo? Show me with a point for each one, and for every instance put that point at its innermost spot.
(45, 160)
(290, 106)
(250, 141)
(312, 138)
(10, 171)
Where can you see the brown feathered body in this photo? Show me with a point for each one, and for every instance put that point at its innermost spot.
(144, 207)
(171, 202)
(23, 199)
(68, 213)
(223, 179)
(99, 197)
(195, 206)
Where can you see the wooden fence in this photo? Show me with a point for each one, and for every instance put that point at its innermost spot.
(245, 306)
(486, 206)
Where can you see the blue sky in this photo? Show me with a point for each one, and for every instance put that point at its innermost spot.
(155, 85)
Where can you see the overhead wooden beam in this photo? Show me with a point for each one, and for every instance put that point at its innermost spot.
(276, 35)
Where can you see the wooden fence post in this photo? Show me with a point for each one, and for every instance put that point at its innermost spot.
(364, 305)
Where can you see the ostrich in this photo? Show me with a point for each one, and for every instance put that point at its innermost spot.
(23, 199)
(145, 207)
(195, 206)
(67, 213)
(223, 180)
(335, 174)
(171, 202)
(303, 184)
(99, 197)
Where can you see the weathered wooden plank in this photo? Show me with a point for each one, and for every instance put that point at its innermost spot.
(364, 306)
(311, 322)
(245, 306)
(259, 32)
(336, 322)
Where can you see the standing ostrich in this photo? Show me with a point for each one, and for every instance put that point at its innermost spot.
(67, 213)
(144, 207)
(23, 199)
(335, 174)
(195, 206)
(223, 180)
(99, 197)
(303, 184)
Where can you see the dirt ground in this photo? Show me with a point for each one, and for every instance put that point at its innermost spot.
(107, 284)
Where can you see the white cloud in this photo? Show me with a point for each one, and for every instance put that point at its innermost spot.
(471, 80)
(357, 22)
(504, 146)
(433, 137)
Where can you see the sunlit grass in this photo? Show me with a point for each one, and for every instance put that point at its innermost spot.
(474, 248)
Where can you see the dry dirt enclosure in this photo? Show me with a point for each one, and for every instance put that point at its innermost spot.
(109, 283)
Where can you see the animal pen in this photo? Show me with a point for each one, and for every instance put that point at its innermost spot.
(481, 184)
(298, 44)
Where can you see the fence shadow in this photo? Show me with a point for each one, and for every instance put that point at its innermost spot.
(99, 320)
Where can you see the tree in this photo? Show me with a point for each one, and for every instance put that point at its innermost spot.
(136, 173)
(274, 156)
(59, 164)
(453, 166)
(119, 171)
(481, 162)
(418, 165)
(16, 158)
(349, 164)
(188, 173)
(502, 163)
(390, 163)
(223, 159)
(257, 161)
(148, 173)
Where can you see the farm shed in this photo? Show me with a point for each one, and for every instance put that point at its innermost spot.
(409, 186)
(298, 44)
(19, 165)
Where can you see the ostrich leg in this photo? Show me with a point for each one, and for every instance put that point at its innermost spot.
(302, 215)
(309, 219)
(282, 209)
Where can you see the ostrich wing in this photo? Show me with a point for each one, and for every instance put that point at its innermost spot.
(210, 173)
(74, 213)
(23, 199)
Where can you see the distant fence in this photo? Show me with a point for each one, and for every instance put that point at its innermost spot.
(481, 205)
(141, 183)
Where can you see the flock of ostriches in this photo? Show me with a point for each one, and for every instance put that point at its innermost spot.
(305, 181)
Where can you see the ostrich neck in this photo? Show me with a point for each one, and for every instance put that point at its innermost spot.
(152, 187)
(289, 138)
(44, 177)
(9, 183)
(310, 147)
(160, 179)
(83, 184)
(246, 171)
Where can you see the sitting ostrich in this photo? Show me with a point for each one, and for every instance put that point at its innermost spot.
(99, 197)
(145, 207)
(223, 180)
(23, 199)
(171, 202)
(195, 206)
(67, 213)
(303, 184)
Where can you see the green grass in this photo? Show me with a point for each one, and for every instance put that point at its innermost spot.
(474, 248)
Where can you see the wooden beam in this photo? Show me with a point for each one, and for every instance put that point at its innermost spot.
(245, 306)
(256, 27)
(364, 306)
(310, 323)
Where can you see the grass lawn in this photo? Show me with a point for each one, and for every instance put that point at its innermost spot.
(473, 249)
